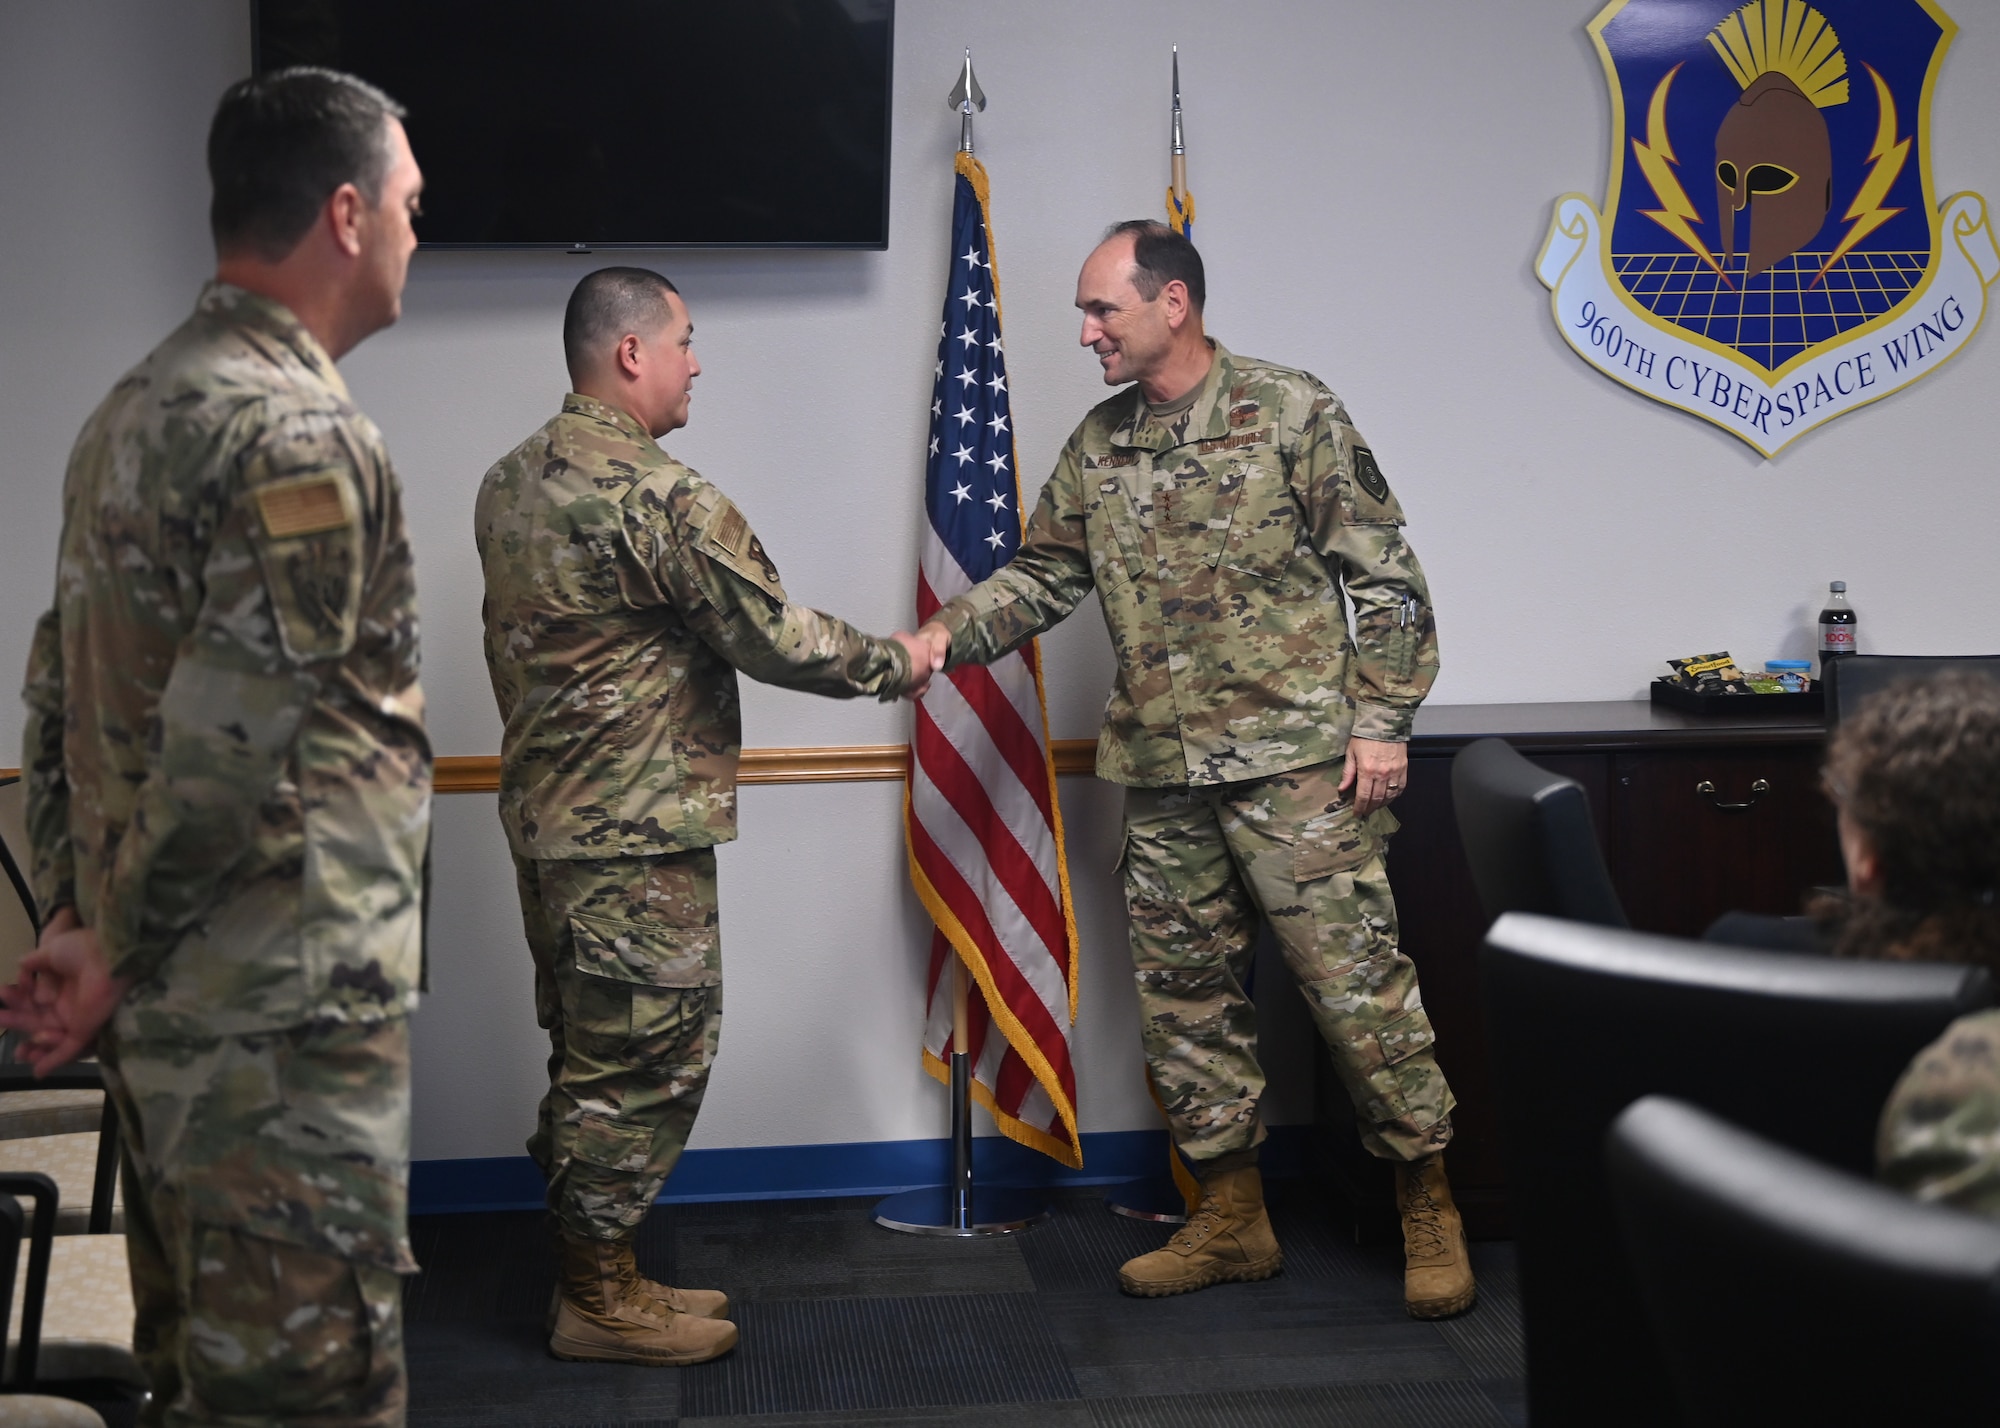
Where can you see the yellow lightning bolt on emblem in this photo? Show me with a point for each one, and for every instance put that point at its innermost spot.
(1887, 158)
(1656, 156)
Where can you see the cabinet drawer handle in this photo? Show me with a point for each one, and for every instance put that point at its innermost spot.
(1707, 790)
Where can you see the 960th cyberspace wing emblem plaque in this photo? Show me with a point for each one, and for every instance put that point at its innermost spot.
(1770, 253)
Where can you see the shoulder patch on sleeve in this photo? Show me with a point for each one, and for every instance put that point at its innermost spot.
(303, 506)
(310, 549)
(1369, 475)
(731, 531)
(726, 538)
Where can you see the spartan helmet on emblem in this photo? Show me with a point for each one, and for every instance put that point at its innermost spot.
(1772, 152)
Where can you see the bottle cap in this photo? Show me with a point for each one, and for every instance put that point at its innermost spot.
(1785, 664)
(1839, 587)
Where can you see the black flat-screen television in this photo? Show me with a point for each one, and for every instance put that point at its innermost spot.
(623, 123)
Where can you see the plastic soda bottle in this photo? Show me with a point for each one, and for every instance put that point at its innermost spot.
(1836, 624)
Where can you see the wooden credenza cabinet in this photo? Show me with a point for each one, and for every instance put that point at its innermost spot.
(1686, 832)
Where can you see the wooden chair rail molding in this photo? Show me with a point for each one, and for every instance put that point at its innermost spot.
(827, 763)
(831, 763)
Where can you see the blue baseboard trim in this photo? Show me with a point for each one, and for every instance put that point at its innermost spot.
(803, 1172)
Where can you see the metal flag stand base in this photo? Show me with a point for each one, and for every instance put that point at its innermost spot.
(1150, 1197)
(959, 1209)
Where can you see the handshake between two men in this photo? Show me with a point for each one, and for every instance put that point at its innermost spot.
(927, 649)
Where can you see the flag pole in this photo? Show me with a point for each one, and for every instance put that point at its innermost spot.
(1168, 1199)
(961, 1096)
(960, 1209)
(1180, 203)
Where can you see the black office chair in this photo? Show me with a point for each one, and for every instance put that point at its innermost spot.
(41, 1239)
(1852, 679)
(1528, 837)
(1783, 1291)
(18, 924)
(1582, 1021)
(28, 1394)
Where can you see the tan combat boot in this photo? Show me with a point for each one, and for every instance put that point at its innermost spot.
(1227, 1238)
(701, 1303)
(604, 1312)
(1437, 1270)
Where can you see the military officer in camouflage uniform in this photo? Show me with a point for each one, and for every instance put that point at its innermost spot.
(1221, 508)
(623, 592)
(229, 787)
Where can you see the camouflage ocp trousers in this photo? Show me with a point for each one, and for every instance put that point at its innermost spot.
(266, 1199)
(1201, 863)
(628, 984)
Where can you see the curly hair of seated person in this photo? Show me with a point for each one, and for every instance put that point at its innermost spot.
(1917, 771)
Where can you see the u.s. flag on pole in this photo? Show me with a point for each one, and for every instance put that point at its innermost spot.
(984, 831)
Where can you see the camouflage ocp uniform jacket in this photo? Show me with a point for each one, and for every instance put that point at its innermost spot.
(227, 769)
(1220, 557)
(623, 592)
(1939, 1136)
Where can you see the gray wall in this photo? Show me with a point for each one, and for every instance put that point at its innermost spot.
(1374, 183)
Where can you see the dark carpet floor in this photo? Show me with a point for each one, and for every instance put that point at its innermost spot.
(848, 1324)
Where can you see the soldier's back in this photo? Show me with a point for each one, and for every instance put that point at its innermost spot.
(237, 611)
(621, 723)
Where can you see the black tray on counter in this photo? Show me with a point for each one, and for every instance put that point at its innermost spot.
(1670, 695)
